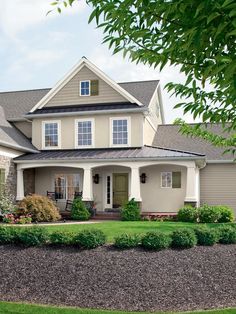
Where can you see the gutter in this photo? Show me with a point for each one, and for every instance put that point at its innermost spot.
(17, 147)
(83, 113)
(106, 160)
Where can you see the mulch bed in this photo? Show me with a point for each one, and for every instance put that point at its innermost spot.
(105, 278)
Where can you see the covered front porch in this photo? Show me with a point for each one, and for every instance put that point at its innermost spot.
(158, 186)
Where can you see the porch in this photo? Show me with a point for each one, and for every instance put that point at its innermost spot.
(109, 185)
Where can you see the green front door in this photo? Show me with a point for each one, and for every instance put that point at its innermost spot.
(120, 189)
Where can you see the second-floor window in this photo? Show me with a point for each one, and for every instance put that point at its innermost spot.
(84, 132)
(120, 132)
(51, 134)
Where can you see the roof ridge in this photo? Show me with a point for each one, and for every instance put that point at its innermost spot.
(175, 150)
(24, 90)
(142, 81)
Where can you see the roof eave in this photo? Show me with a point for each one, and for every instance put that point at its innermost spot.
(82, 113)
(18, 147)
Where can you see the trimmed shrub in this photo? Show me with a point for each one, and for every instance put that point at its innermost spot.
(187, 214)
(131, 211)
(126, 241)
(90, 238)
(61, 238)
(226, 213)
(208, 214)
(206, 236)
(41, 208)
(33, 236)
(7, 235)
(156, 241)
(227, 235)
(79, 211)
(183, 239)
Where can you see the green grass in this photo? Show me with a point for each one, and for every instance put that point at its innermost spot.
(21, 308)
(114, 228)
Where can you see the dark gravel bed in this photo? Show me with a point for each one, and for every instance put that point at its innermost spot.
(199, 278)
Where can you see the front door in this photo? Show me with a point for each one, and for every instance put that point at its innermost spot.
(120, 189)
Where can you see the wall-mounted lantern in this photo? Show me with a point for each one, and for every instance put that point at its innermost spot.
(143, 178)
(96, 178)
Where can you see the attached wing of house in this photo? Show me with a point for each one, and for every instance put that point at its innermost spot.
(109, 141)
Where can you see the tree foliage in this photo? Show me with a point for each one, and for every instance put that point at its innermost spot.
(200, 36)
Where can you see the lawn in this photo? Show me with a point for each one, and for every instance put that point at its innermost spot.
(114, 228)
(20, 308)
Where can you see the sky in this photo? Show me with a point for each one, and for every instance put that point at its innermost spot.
(36, 50)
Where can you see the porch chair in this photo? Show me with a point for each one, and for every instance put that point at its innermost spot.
(52, 196)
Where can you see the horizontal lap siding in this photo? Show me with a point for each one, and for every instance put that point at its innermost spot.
(69, 94)
(218, 184)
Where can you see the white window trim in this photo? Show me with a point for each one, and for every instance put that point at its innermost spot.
(92, 120)
(166, 187)
(80, 82)
(59, 134)
(128, 128)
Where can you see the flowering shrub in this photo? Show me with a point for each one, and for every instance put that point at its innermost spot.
(13, 219)
(6, 204)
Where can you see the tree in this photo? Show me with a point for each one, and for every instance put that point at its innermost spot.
(200, 36)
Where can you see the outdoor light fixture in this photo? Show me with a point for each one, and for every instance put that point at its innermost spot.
(143, 178)
(96, 178)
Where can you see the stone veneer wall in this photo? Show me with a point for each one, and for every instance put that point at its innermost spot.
(10, 168)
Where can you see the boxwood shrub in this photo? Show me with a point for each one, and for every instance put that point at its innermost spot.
(208, 214)
(206, 236)
(183, 239)
(187, 214)
(227, 235)
(226, 214)
(156, 241)
(8, 235)
(61, 238)
(89, 238)
(33, 236)
(79, 211)
(131, 211)
(126, 241)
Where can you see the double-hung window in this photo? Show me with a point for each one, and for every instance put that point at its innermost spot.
(84, 88)
(84, 133)
(51, 134)
(120, 132)
(171, 180)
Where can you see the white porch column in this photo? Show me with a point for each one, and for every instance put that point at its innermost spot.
(192, 185)
(135, 184)
(87, 185)
(20, 185)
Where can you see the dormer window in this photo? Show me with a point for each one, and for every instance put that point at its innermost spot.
(89, 88)
(84, 88)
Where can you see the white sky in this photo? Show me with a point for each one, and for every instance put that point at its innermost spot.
(37, 50)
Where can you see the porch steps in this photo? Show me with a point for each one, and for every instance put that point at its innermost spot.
(107, 215)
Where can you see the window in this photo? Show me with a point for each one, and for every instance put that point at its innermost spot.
(66, 185)
(2, 180)
(171, 180)
(120, 132)
(84, 88)
(108, 189)
(51, 134)
(84, 133)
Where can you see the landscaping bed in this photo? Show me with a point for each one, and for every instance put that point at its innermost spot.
(106, 278)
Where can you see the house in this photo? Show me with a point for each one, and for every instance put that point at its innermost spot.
(109, 141)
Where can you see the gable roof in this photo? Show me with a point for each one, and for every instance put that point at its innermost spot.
(17, 104)
(11, 137)
(145, 152)
(168, 135)
(84, 62)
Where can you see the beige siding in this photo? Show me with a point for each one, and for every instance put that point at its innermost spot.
(148, 133)
(69, 94)
(158, 199)
(25, 127)
(154, 110)
(218, 184)
(102, 130)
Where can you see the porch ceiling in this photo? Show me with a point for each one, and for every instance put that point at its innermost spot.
(145, 152)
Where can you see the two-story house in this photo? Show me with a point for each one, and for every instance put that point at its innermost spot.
(109, 141)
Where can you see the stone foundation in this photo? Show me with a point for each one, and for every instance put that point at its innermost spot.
(10, 173)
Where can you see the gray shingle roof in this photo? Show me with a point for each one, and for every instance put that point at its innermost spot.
(145, 152)
(170, 137)
(10, 136)
(18, 103)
